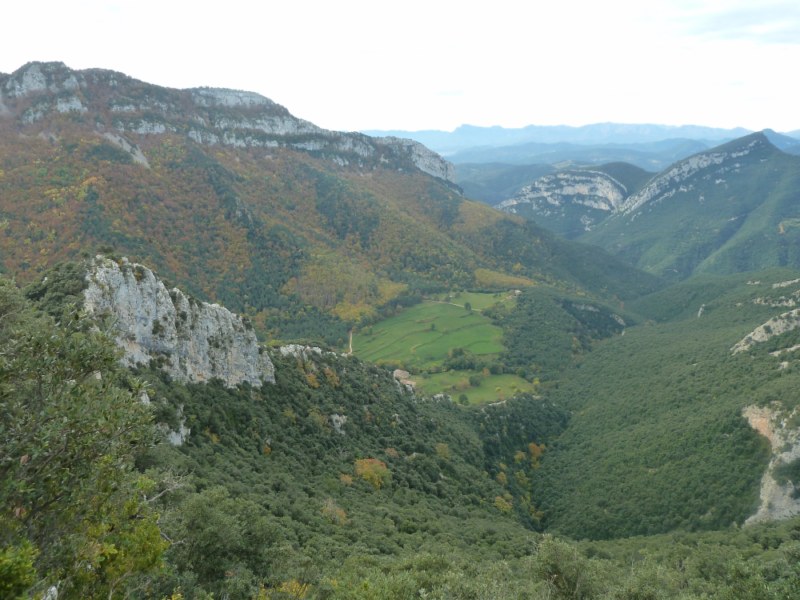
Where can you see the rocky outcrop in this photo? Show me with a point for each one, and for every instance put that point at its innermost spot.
(208, 116)
(404, 379)
(678, 178)
(422, 157)
(775, 326)
(779, 499)
(191, 340)
(594, 194)
(301, 352)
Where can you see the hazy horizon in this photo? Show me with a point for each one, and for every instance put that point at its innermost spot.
(355, 65)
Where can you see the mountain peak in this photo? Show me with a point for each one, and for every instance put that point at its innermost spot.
(718, 160)
(758, 140)
(39, 77)
(783, 142)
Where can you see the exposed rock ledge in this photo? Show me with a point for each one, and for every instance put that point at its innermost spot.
(208, 116)
(778, 500)
(775, 326)
(191, 340)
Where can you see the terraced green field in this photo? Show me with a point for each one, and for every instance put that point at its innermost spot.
(422, 335)
(420, 338)
(492, 388)
(477, 300)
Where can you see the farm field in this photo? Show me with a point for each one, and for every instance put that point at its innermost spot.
(492, 388)
(477, 300)
(421, 337)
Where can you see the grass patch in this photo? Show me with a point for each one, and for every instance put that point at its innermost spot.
(477, 300)
(421, 336)
(492, 388)
(489, 278)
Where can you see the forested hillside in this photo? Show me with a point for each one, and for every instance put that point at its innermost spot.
(334, 482)
(306, 231)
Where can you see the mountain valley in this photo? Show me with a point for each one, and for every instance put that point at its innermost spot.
(246, 357)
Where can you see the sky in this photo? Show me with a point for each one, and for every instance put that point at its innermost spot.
(436, 64)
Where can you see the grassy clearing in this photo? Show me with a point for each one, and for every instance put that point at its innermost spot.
(477, 300)
(491, 389)
(420, 338)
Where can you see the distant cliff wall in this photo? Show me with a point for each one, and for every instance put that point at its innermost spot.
(208, 116)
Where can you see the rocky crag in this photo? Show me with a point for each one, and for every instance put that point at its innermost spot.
(577, 198)
(781, 295)
(779, 495)
(602, 196)
(775, 326)
(191, 340)
(690, 174)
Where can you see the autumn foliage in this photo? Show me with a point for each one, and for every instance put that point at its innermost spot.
(373, 471)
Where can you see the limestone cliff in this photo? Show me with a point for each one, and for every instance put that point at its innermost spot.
(422, 157)
(570, 201)
(779, 497)
(685, 175)
(775, 326)
(191, 340)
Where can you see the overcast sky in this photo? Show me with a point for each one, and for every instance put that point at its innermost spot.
(436, 64)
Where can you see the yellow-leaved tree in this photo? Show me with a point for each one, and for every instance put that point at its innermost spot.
(373, 471)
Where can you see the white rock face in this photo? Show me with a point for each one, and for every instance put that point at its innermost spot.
(783, 284)
(775, 326)
(300, 352)
(552, 195)
(209, 116)
(667, 184)
(191, 340)
(134, 150)
(225, 97)
(270, 124)
(424, 159)
(72, 104)
(30, 80)
(338, 423)
(777, 500)
(143, 127)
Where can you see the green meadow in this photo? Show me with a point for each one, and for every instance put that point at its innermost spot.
(421, 337)
(492, 388)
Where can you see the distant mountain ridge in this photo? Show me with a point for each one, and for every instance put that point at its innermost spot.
(728, 209)
(479, 151)
(652, 156)
(470, 136)
(209, 116)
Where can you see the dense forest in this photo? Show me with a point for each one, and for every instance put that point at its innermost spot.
(335, 482)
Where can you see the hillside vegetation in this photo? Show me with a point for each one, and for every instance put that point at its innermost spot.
(728, 209)
(305, 231)
(657, 440)
(331, 483)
